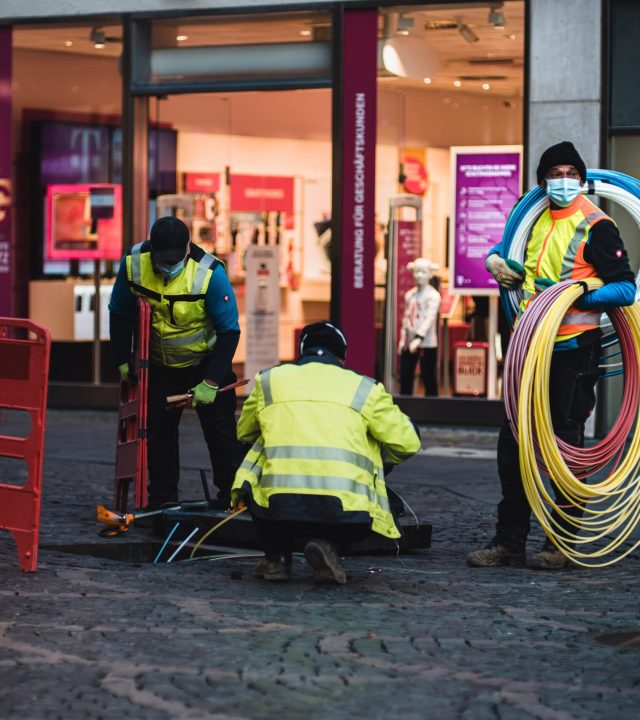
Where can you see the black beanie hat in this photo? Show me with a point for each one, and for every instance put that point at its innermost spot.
(564, 153)
(324, 335)
(169, 233)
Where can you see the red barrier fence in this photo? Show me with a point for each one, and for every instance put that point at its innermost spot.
(24, 372)
(131, 446)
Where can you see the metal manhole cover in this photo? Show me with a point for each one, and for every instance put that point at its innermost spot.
(627, 639)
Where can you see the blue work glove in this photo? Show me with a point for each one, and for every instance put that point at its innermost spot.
(542, 283)
(614, 294)
(204, 394)
(125, 375)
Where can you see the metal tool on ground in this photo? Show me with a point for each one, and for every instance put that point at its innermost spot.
(119, 523)
(177, 401)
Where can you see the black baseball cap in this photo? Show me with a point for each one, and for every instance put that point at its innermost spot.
(169, 239)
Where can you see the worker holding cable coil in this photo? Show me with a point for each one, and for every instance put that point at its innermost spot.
(572, 240)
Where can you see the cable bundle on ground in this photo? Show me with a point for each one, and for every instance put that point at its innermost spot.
(611, 505)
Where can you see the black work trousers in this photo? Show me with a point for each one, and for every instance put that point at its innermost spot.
(428, 370)
(572, 382)
(218, 426)
(277, 537)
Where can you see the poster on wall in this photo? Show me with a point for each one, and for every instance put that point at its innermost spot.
(83, 222)
(486, 183)
(409, 247)
(262, 303)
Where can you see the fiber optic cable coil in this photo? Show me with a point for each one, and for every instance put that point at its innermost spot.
(610, 504)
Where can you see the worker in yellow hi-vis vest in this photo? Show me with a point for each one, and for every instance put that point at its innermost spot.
(322, 436)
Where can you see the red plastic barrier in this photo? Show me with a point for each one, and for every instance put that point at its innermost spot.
(131, 446)
(24, 373)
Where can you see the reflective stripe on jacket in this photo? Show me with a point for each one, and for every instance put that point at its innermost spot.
(319, 429)
(555, 250)
(182, 333)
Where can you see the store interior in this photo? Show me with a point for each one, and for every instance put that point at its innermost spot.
(461, 84)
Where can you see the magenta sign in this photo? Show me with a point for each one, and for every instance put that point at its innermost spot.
(409, 248)
(357, 247)
(486, 187)
(6, 275)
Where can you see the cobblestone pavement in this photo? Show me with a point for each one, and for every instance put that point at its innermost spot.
(417, 636)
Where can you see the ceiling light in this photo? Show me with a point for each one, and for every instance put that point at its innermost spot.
(405, 24)
(512, 37)
(182, 38)
(426, 81)
(409, 57)
(486, 86)
(69, 43)
(467, 33)
(496, 17)
(457, 83)
(99, 38)
(305, 33)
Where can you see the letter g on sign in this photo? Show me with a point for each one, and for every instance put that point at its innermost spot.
(5, 198)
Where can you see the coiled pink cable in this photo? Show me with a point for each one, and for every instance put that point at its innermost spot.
(582, 462)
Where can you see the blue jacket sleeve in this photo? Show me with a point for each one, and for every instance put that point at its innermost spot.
(220, 302)
(613, 294)
(123, 301)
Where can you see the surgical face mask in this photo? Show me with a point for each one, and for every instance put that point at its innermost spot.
(563, 191)
(170, 271)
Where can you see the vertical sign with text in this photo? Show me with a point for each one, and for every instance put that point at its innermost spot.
(357, 251)
(262, 303)
(486, 186)
(409, 247)
(6, 273)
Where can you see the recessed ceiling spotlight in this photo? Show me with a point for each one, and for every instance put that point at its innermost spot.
(305, 33)
(182, 38)
(403, 32)
(496, 17)
(427, 81)
(457, 83)
(98, 45)
(69, 43)
(486, 86)
(512, 36)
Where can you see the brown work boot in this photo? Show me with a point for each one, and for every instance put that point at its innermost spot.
(324, 559)
(495, 555)
(273, 570)
(549, 558)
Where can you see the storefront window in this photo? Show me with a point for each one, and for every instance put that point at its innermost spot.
(448, 78)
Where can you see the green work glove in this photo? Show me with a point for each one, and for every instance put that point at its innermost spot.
(204, 394)
(542, 283)
(515, 266)
(124, 372)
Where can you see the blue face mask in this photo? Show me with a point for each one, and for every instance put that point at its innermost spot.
(170, 271)
(563, 191)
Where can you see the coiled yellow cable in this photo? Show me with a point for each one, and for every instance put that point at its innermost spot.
(612, 506)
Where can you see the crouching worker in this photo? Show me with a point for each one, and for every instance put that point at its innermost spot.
(320, 434)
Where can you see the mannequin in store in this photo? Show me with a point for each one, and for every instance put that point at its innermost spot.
(419, 332)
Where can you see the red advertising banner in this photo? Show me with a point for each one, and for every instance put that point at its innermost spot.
(261, 193)
(357, 247)
(84, 222)
(201, 182)
(6, 270)
(409, 248)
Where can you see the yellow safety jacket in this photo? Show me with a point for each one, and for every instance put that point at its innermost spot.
(181, 332)
(555, 250)
(319, 429)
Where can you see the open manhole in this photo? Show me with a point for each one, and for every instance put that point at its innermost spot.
(131, 552)
(623, 639)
